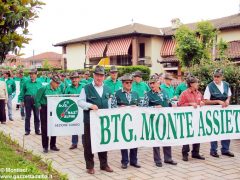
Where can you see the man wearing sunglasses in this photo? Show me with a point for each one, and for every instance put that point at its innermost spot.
(218, 92)
(157, 99)
(127, 97)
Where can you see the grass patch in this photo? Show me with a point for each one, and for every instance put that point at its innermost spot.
(18, 164)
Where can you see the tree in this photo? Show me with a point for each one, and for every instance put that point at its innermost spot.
(188, 49)
(15, 16)
(222, 48)
(195, 46)
(206, 34)
(46, 64)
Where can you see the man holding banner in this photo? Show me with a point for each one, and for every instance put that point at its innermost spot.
(74, 88)
(41, 103)
(94, 96)
(127, 97)
(218, 92)
(157, 99)
(191, 97)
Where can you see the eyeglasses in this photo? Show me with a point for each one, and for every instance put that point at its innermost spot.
(128, 82)
(217, 76)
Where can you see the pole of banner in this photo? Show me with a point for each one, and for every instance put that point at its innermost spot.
(23, 144)
(63, 95)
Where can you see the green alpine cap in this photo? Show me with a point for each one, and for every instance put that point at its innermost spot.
(99, 70)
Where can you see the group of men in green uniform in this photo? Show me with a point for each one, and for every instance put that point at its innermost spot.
(113, 92)
(133, 91)
(32, 97)
(128, 90)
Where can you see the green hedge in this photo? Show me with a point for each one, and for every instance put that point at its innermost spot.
(122, 70)
(130, 69)
(127, 69)
(47, 69)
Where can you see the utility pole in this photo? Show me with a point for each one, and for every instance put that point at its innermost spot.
(33, 60)
(132, 21)
(239, 7)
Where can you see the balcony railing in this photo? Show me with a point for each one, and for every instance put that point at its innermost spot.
(145, 61)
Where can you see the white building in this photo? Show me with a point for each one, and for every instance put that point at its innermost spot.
(138, 44)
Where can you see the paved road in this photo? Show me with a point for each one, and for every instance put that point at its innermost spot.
(72, 162)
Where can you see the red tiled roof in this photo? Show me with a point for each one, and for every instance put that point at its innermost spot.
(136, 29)
(168, 59)
(227, 22)
(131, 29)
(10, 56)
(233, 52)
(233, 49)
(47, 55)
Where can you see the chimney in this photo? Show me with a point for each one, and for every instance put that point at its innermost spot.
(176, 23)
(239, 7)
(161, 31)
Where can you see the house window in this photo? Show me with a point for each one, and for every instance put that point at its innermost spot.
(124, 60)
(64, 50)
(141, 50)
(65, 63)
(94, 61)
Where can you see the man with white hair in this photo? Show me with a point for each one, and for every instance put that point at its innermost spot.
(218, 92)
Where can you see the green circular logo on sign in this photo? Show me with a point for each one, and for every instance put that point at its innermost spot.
(67, 110)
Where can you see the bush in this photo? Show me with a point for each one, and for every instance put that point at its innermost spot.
(121, 71)
(126, 69)
(49, 69)
(131, 69)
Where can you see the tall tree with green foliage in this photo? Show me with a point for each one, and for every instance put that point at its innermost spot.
(188, 48)
(194, 46)
(207, 36)
(46, 64)
(15, 16)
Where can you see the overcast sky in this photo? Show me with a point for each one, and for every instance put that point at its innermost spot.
(61, 20)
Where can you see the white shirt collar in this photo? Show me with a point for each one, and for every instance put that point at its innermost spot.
(218, 84)
(126, 91)
(94, 85)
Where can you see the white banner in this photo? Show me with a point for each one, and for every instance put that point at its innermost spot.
(131, 127)
(64, 116)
